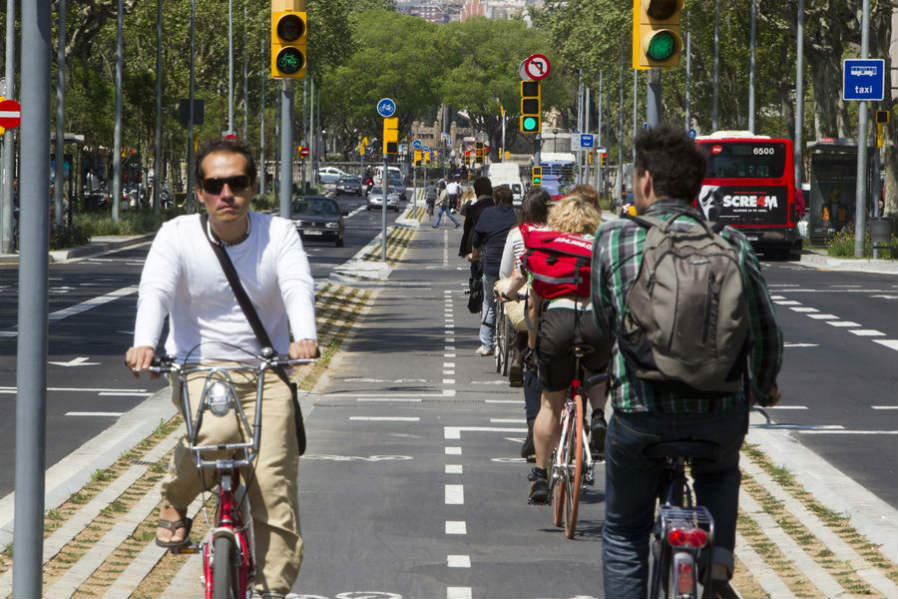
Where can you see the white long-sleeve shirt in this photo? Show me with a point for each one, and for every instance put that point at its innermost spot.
(183, 279)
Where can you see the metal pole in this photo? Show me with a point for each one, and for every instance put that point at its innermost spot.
(262, 172)
(6, 215)
(117, 131)
(385, 185)
(715, 97)
(877, 190)
(312, 145)
(635, 126)
(860, 198)
(245, 81)
(157, 142)
(230, 66)
(586, 128)
(191, 91)
(31, 355)
(285, 192)
(599, 182)
(688, 117)
(618, 190)
(59, 187)
(579, 125)
(653, 99)
(752, 66)
(799, 95)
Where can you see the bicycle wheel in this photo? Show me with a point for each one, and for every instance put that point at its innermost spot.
(659, 569)
(559, 491)
(575, 468)
(224, 569)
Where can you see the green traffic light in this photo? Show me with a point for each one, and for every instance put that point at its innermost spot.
(662, 46)
(290, 60)
(529, 123)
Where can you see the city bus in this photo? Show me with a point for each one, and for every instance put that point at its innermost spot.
(749, 184)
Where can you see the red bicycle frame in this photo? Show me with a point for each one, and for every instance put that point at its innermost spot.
(229, 522)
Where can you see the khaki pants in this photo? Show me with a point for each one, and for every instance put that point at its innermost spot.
(273, 491)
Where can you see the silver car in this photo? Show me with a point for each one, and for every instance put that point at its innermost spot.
(376, 198)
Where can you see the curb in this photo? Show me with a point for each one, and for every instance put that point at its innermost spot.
(83, 251)
(74, 471)
(883, 267)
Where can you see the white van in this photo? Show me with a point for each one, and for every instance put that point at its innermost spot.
(507, 173)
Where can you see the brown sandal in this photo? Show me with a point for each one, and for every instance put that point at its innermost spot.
(184, 523)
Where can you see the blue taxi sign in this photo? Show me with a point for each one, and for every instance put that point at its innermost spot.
(863, 79)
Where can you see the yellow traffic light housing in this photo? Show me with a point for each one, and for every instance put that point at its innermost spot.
(531, 107)
(391, 136)
(536, 175)
(289, 34)
(656, 33)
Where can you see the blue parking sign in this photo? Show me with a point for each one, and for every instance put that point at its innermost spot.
(863, 79)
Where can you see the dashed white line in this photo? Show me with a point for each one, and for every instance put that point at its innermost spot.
(449, 355)
(823, 316)
(448, 364)
(453, 451)
(787, 303)
(514, 401)
(890, 343)
(385, 418)
(389, 399)
(458, 593)
(454, 494)
(867, 333)
(454, 469)
(846, 432)
(786, 408)
(508, 420)
(100, 414)
(803, 309)
(458, 561)
(843, 324)
(456, 527)
(884, 407)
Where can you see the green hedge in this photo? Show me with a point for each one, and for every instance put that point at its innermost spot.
(842, 246)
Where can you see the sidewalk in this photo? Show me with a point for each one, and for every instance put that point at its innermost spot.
(99, 244)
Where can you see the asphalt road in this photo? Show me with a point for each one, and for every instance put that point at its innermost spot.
(413, 485)
(88, 387)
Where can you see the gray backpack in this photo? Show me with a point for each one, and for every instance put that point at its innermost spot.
(686, 317)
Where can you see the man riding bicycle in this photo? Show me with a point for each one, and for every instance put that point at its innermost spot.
(667, 176)
(183, 280)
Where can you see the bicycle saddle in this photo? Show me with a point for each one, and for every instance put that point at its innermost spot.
(694, 450)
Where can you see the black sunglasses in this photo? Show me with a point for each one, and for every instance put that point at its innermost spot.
(235, 184)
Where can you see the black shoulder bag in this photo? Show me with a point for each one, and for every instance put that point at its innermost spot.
(261, 334)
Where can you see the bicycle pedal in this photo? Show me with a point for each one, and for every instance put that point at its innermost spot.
(186, 550)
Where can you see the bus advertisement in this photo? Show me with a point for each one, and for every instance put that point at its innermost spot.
(749, 186)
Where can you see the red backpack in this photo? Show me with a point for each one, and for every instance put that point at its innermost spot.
(558, 262)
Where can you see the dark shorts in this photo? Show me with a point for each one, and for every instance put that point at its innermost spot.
(555, 347)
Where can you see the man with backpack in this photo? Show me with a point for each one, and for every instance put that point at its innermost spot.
(697, 341)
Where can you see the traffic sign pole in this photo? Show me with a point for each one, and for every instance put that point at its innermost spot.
(31, 354)
(6, 211)
(653, 99)
(59, 187)
(860, 204)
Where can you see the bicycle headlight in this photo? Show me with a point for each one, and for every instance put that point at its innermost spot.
(218, 398)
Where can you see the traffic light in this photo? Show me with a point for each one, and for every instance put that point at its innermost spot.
(531, 109)
(536, 175)
(656, 33)
(478, 148)
(391, 136)
(882, 117)
(289, 29)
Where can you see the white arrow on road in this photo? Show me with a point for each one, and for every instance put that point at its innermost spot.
(79, 361)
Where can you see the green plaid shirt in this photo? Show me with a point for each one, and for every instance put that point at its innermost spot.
(617, 258)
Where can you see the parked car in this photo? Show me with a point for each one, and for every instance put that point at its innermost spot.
(318, 217)
(350, 184)
(330, 174)
(376, 198)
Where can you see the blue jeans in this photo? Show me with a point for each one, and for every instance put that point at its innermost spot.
(488, 312)
(632, 481)
(447, 213)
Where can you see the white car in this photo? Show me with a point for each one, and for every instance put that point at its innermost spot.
(376, 199)
(330, 174)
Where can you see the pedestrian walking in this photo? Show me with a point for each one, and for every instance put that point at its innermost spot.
(445, 207)
(698, 385)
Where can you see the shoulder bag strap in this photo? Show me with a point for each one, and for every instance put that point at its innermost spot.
(249, 310)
